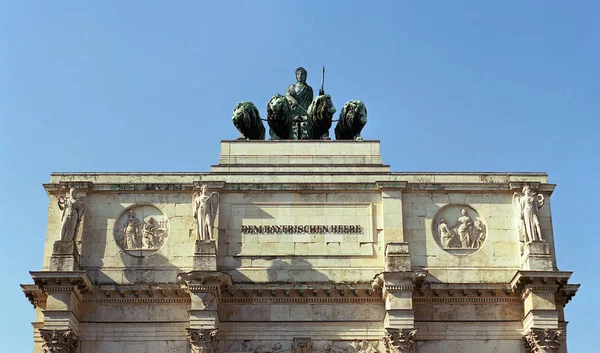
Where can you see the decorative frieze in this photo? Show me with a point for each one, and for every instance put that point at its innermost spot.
(202, 340)
(400, 340)
(59, 341)
(539, 340)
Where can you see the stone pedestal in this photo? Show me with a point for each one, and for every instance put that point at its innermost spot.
(64, 256)
(397, 257)
(536, 257)
(205, 255)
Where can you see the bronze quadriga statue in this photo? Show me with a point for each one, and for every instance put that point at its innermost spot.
(353, 118)
(280, 119)
(246, 119)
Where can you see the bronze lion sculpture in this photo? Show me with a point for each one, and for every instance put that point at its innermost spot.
(279, 117)
(353, 118)
(320, 115)
(246, 119)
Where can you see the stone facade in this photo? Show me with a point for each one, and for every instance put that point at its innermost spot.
(307, 246)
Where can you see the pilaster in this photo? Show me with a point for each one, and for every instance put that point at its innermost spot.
(57, 295)
(391, 204)
(397, 291)
(544, 293)
(204, 288)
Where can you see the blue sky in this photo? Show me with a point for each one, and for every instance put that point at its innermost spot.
(150, 86)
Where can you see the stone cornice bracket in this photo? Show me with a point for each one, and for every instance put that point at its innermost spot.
(387, 282)
(59, 341)
(35, 295)
(211, 185)
(525, 282)
(202, 281)
(202, 340)
(400, 340)
(52, 281)
(538, 340)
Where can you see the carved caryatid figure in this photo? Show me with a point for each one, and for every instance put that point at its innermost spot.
(446, 234)
(527, 207)
(465, 229)
(131, 229)
(148, 233)
(72, 212)
(353, 118)
(300, 95)
(205, 211)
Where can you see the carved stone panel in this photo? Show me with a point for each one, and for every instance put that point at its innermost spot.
(141, 230)
(459, 229)
(59, 341)
(292, 226)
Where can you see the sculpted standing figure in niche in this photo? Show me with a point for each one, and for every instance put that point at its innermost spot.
(527, 206)
(300, 94)
(133, 238)
(205, 212)
(446, 234)
(464, 229)
(72, 212)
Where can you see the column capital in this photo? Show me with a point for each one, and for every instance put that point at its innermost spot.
(539, 340)
(59, 341)
(202, 340)
(400, 340)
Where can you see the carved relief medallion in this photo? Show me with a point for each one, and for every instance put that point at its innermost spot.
(459, 229)
(141, 230)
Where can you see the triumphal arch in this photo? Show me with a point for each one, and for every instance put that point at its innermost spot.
(299, 244)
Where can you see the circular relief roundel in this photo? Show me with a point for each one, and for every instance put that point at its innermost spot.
(459, 229)
(141, 230)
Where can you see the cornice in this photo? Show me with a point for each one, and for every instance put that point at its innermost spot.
(55, 281)
(119, 187)
(296, 293)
